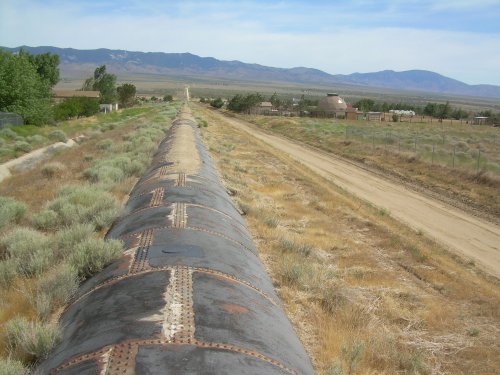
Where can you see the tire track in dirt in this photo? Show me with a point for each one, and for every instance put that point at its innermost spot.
(457, 230)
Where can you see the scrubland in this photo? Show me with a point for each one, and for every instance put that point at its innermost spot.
(366, 294)
(53, 220)
(458, 161)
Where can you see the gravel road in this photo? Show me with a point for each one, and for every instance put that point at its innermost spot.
(457, 230)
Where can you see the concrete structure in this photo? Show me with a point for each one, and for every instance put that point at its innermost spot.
(333, 104)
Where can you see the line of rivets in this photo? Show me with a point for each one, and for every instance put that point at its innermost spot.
(181, 180)
(140, 262)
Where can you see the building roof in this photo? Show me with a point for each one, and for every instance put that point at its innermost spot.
(332, 103)
(266, 104)
(71, 94)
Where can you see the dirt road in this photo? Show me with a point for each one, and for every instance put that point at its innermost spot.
(471, 236)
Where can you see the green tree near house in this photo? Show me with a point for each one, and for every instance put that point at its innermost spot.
(25, 85)
(126, 94)
(103, 82)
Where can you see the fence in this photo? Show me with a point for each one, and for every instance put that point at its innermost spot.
(475, 155)
(7, 118)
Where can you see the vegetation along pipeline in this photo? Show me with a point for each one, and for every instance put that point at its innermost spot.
(189, 294)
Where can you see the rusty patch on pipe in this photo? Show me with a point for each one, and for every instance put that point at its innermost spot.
(140, 261)
(157, 198)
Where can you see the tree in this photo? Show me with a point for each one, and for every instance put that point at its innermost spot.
(240, 103)
(76, 107)
(47, 66)
(168, 98)
(217, 103)
(23, 90)
(275, 100)
(365, 105)
(103, 82)
(126, 94)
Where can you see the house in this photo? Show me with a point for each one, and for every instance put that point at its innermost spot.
(263, 108)
(374, 116)
(61, 95)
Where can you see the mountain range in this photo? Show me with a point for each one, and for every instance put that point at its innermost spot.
(189, 65)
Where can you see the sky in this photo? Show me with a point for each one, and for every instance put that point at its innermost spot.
(457, 38)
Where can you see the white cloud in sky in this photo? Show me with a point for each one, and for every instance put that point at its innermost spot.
(318, 36)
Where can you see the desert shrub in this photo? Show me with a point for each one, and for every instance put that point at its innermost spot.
(57, 135)
(53, 169)
(104, 174)
(9, 366)
(8, 272)
(46, 220)
(93, 254)
(67, 238)
(11, 211)
(36, 139)
(104, 144)
(31, 338)
(31, 249)
(291, 245)
(293, 273)
(55, 289)
(8, 133)
(22, 146)
(84, 204)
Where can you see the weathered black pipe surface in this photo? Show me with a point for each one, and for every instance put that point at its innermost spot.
(190, 294)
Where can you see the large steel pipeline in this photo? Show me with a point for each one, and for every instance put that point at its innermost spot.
(190, 294)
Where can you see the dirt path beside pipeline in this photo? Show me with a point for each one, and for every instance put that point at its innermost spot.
(470, 236)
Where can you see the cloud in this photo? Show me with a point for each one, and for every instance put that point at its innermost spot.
(334, 38)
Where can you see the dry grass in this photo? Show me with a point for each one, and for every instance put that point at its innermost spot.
(75, 217)
(369, 296)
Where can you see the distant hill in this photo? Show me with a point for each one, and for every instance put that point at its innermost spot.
(187, 64)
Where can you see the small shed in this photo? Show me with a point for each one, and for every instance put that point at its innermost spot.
(480, 120)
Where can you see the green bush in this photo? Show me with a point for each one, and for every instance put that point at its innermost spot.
(55, 289)
(36, 139)
(105, 144)
(53, 169)
(31, 338)
(93, 254)
(57, 135)
(46, 219)
(76, 107)
(10, 366)
(22, 146)
(8, 272)
(11, 211)
(9, 134)
(31, 249)
(67, 238)
(84, 204)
